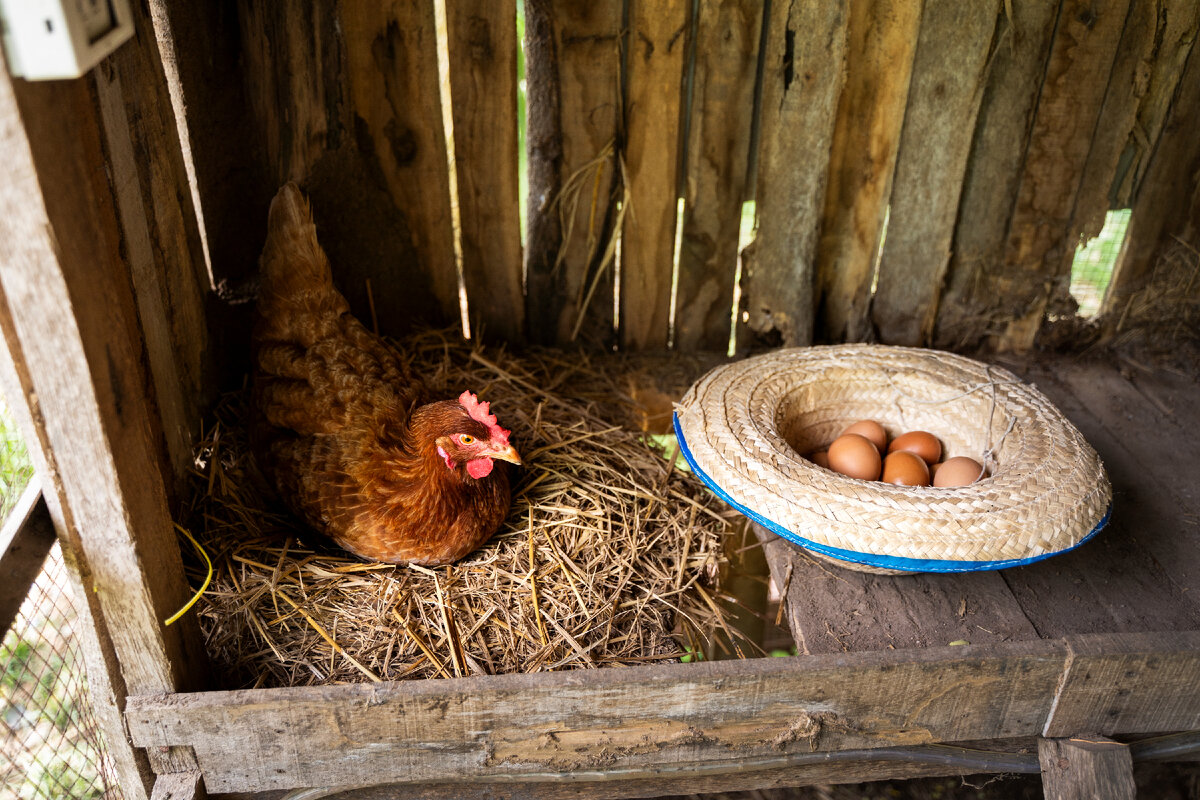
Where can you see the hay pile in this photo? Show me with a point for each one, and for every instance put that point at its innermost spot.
(607, 557)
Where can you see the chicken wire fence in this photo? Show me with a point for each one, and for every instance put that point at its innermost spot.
(1092, 268)
(52, 746)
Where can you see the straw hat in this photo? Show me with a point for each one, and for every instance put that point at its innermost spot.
(743, 428)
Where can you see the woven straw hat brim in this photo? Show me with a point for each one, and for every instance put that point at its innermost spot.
(743, 427)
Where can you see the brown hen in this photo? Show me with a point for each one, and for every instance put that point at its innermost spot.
(339, 427)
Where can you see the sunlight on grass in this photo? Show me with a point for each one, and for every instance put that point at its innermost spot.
(1092, 268)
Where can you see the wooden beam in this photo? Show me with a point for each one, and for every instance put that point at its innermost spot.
(883, 40)
(656, 45)
(954, 49)
(726, 70)
(25, 541)
(483, 86)
(628, 723)
(803, 73)
(1086, 768)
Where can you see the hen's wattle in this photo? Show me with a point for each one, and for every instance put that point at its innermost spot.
(339, 427)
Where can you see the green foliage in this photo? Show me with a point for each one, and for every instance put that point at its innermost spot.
(15, 467)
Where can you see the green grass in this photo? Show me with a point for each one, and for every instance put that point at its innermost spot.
(15, 467)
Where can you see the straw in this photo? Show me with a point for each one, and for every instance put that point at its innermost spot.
(599, 563)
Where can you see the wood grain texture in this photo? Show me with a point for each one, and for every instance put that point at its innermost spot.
(160, 233)
(1166, 206)
(74, 314)
(25, 541)
(726, 69)
(179, 786)
(1125, 683)
(573, 64)
(629, 723)
(1077, 769)
(1038, 251)
(482, 42)
(883, 38)
(970, 304)
(656, 44)
(832, 610)
(1175, 36)
(803, 73)
(949, 75)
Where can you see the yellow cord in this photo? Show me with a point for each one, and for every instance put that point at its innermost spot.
(207, 579)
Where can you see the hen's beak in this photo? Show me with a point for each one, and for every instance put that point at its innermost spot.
(506, 453)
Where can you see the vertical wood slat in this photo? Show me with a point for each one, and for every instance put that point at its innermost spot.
(1179, 23)
(969, 301)
(803, 73)
(1167, 205)
(70, 321)
(573, 65)
(656, 48)
(1074, 769)
(160, 233)
(1039, 246)
(728, 35)
(949, 73)
(483, 86)
(882, 41)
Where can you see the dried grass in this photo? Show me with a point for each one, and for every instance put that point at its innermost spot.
(606, 559)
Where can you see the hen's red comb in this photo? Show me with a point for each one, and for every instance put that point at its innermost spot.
(479, 413)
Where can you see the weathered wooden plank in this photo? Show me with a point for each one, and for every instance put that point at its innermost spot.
(1126, 683)
(968, 305)
(1082, 769)
(883, 38)
(1177, 25)
(949, 75)
(573, 65)
(179, 786)
(655, 60)
(160, 233)
(702, 781)
(482, 43)
(831, 609)
(1039, 247)
(606, 724)
(1166, 206)
(25, 541)
(726, 69)
(73, 312)
(1127, 86)
(803, 73)
(1143, 426)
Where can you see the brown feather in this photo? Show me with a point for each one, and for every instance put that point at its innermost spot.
(337, 426)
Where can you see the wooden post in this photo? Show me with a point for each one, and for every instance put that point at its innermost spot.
(1086, 768)
(25, 541)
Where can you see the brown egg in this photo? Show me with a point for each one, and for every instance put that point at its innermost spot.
(958, 471)
(870, 429)
(905, 469)
(922, 443)
(855, 456)
(820, 458)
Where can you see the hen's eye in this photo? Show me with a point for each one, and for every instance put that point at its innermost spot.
(466, 438)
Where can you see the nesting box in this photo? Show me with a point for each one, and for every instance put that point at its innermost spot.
(984, 140)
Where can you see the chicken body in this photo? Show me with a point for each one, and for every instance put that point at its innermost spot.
(339, 428)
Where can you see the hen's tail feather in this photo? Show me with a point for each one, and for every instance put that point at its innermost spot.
(297, 298)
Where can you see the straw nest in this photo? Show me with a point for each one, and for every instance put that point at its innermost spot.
(608, 556)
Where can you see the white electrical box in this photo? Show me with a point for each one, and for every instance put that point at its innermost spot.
(53, 39)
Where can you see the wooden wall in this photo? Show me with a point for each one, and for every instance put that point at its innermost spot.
(922, 172)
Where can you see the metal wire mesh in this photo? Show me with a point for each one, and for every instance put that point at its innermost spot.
(52, 747)
(1092, 268)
